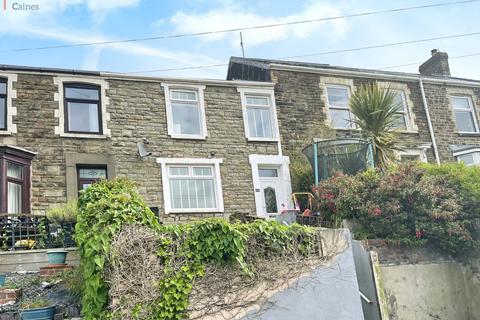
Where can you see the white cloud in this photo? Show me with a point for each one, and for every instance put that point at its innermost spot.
(110, 4)
(232, 17)
(43, 24)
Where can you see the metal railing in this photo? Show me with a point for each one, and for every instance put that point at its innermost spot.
(313, 221)
(23, 232)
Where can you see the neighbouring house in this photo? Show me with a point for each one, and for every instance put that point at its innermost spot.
(214, 144)
(209, 147)
(439, 117)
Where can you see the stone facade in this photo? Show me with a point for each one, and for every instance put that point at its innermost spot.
(137, 111)
(303, 112)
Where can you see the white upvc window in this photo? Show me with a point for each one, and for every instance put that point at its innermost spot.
(415, 154)
(403, 119)
(470, 157)
(259, 114)
(185, 108)
(338, 97)
(191, 185)
(465, 117)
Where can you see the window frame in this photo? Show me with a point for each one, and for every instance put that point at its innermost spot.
(405, 110)
(166, 163)
(199, 92)
(89, 166)
(474, 151)
(347, 108)
(270, 95)
(4, 96)
(471, 110)
(77, 85)
(20, 157)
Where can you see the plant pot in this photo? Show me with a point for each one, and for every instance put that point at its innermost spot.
(3, 277)
(57, 256)
(44, 313)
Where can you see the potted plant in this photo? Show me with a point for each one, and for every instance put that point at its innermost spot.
(37, 310)
(60, 218)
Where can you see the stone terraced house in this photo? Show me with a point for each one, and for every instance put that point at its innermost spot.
(440, 113)
(62, 130)
(209, 147)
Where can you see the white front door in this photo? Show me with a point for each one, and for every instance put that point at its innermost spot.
(271, 190)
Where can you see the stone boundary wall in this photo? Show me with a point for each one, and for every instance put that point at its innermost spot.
(31, 260)
(421, 283)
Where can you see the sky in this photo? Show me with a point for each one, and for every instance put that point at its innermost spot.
(66, 22)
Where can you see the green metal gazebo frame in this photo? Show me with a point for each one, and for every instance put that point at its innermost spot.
(347, 155)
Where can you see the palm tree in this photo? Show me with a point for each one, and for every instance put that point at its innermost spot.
(376, 114)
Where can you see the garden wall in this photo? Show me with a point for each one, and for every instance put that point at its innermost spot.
(329, 292)
(31, 260)
(421, 284)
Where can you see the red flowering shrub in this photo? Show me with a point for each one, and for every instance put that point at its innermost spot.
(404, 204)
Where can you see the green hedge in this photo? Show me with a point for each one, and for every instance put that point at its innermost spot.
(409, 204)
(102, 211)
(184, 250)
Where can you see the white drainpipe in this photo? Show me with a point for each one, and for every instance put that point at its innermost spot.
(429, 121)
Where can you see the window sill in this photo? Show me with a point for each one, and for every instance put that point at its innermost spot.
(83, 135)
(193, 211)
(187, 137)
(5, 133)
(346, 129)
(253, 139)
(469, 134)
(407, 131)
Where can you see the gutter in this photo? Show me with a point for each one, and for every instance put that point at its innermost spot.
(374, 75)
(429, 121)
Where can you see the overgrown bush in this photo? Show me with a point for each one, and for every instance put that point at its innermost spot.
(63, 213)
(102, 211)
(408, 204)
(206, 267)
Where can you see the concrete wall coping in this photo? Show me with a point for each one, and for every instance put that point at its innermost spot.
(34, 251)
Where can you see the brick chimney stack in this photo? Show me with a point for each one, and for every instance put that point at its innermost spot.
(437, 65)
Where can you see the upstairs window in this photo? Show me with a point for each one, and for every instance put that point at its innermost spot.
(83, 112)
(337, 99)
(15, 180)
(464, 114)
(403, 121)
(185, 112)
(3, 104)
(259, 117)
(259, 114)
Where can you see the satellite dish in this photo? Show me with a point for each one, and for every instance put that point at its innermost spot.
(142, 150)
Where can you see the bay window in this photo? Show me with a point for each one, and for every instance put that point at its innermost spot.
(15, 169)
